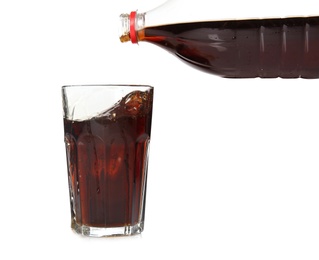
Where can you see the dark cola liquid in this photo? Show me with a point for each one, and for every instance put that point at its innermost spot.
(287, 48)
(107, 158)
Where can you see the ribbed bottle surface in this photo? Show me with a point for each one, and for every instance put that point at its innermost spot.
(292, 51)
(267, 48)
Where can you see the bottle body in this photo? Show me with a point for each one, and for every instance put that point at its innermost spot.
(247, 48)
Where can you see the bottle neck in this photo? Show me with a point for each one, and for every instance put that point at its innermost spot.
(130, 24)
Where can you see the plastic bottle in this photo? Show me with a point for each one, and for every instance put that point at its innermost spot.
(248, 46)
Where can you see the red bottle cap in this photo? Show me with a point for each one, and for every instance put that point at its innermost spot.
(133, 35)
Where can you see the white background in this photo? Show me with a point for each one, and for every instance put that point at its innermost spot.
(234, 164)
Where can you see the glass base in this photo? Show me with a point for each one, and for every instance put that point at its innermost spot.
(109, 231)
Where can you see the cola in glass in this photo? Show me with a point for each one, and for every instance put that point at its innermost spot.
(107, 158)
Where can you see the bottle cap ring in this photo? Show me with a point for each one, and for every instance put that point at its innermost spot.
(132, 27)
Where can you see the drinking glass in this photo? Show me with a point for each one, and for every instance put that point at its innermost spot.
(107, 131)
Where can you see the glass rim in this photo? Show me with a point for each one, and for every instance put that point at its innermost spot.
(108, 85)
